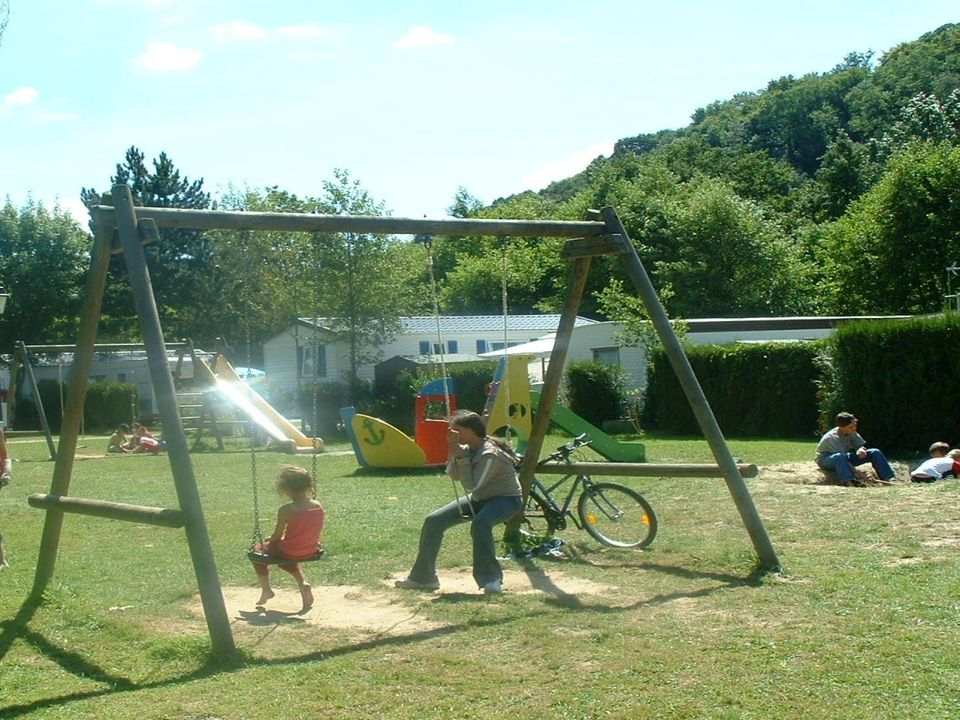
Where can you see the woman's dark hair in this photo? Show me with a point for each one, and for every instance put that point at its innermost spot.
(472, 421)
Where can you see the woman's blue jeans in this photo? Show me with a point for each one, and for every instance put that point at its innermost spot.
(843, 464)
(484, 516)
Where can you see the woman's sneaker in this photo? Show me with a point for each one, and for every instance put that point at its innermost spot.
(409, 584)
(494, 587)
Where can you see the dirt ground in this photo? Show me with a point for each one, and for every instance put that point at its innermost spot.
(397, 612)
(387, 612)
(810, 474)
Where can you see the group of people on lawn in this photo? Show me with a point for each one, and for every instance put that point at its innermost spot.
(140, 441)
(842, 449)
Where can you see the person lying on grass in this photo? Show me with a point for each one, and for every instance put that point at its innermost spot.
(943, 462)
(296, 535)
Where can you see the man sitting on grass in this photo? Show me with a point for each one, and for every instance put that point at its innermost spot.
(842, 449)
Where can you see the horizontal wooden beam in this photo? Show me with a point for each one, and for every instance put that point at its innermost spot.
(110, 510)
(309, 222)
(102, 347)
(594, 246)
(643, 469)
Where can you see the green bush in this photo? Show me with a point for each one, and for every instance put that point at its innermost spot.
(107, 404)
(595, 391)
(326, 398)
(754, 390)
(899, 377)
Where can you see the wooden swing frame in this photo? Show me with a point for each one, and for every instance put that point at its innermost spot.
(126, 228)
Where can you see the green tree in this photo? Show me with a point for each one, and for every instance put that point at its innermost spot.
(180, 265)
(888, 252)
(262, 278)
(363, 282)
(717, 254)
(43, 257)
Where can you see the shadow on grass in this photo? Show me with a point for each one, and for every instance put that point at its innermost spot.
(71, 662)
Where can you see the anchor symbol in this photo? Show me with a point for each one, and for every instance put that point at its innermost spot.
(373, 438)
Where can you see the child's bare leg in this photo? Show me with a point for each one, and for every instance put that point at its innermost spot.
(263, 575)
(3, 558)
(306, 592)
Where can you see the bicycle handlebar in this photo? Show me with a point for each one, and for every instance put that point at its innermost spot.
(564, 452)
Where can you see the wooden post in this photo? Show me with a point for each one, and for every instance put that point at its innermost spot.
(38, 403)
(198, 539)
(551, 383)
(73, 412)
(696, 398)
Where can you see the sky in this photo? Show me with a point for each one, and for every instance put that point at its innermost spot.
(414, 99)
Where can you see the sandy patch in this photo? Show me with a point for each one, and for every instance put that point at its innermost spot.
(459, 581)
(335, 606)
(387, 612)
(810, 474)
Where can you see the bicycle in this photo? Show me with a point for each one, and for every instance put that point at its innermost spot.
(613, 514)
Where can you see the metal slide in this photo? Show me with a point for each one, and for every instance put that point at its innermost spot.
(232, 387)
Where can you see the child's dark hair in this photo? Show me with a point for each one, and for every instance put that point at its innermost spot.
(123, 427)
(294, 478)
(472, 421)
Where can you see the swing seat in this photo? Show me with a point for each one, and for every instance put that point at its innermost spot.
(263, 558)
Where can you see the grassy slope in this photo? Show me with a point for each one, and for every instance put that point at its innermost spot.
(862, 624)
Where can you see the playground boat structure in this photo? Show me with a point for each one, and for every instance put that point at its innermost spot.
(508, 411)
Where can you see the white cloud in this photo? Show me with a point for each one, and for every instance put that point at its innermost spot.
(560, 169)
(305, 32)
(238, 30)
(164, 56)
(422, 36)
(21, 96)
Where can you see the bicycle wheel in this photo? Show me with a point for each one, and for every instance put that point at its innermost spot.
(617, 516)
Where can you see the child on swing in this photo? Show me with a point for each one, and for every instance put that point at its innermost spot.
(297, 533)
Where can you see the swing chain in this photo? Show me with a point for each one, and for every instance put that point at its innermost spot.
(257, 539)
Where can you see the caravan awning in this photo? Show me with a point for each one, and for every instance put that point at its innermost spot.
(541, 347)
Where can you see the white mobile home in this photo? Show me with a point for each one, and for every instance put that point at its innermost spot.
(309, 350)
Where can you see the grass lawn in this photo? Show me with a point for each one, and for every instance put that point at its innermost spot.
(864, 621)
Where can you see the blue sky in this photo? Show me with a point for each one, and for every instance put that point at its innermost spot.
(414, 99)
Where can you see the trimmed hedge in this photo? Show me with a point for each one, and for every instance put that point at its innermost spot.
(754, 390)
(595, 391)
(106, 404)
(899, 377)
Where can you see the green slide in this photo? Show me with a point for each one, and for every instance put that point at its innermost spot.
(608, 446)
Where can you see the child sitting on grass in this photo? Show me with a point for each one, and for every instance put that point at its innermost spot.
(297, 533)
(118, 442)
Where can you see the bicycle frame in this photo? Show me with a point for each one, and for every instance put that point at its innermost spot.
(545, 494)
